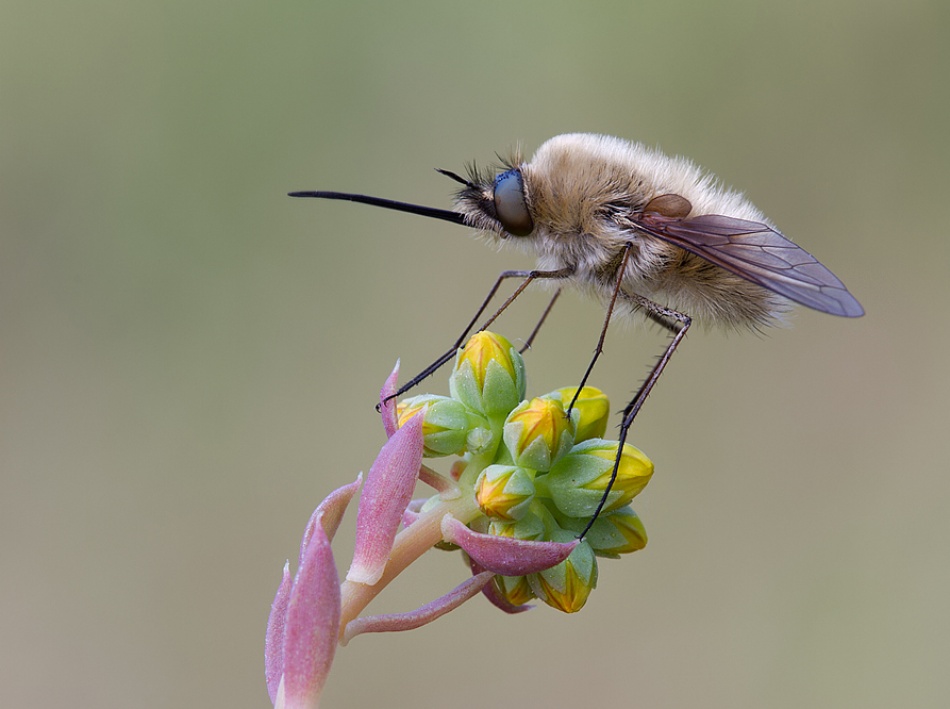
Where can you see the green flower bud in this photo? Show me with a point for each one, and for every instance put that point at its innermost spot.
(514, 589)
(567, 585)
(615, 533)
(489, 375)
(504, 491)
(592, 405)
(537, 433)
(577, 481)
(446, 426)
(530, 527)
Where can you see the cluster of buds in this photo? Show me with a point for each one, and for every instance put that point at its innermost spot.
(537, 473)
(529, 475)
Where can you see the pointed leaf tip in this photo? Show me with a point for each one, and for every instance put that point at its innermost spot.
(505, 555)
(329, 513)
(312, 624)
(387, 402)
(388, 490)
(274, 639)
(421, 616)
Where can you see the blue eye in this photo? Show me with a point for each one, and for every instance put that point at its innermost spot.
(510, 205)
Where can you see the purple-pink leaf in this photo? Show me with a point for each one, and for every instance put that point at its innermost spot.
(387, 402)
(312, 624)
(274, 639)
(411, 513)
(505, 555)
(421, 616)
(388, 489)
(329, 513)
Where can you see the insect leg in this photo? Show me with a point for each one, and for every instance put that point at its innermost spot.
(677, 323)
(528, 276)
(599, 349)
(537, 328)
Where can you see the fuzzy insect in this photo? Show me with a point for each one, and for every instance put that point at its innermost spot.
(625, 222)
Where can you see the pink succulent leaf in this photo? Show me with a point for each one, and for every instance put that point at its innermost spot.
(421, 616)
(446, 486)
(411, 513)
(505, 555)
(388, 490)
(329, 513)
(312, 624)
(495, 598)
(387, 402)
(274, 639)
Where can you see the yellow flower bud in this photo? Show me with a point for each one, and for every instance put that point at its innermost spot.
(567, 586)
(530, 526)
(504, 491)
(514, 589)
(445, 427)
(489, 375)
(484, 347)
(618, 532)
(577, 481)
(633, 474)
(537, 433)
(593, 406)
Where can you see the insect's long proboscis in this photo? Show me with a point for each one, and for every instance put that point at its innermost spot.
(434, 212)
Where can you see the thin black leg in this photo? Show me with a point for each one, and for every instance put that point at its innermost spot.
(677, 323)
(528, 277)
(599, 349)
(544, 316)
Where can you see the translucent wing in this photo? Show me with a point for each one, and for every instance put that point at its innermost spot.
(758, 253)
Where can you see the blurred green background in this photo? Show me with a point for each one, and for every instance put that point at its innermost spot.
(189, 359)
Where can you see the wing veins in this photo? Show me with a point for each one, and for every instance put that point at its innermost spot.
(757, 253)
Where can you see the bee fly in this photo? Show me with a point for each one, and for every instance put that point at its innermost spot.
(627, 223)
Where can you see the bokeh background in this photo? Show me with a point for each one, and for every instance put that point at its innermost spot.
(189, 359)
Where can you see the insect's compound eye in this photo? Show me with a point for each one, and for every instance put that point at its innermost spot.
(510, 206)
